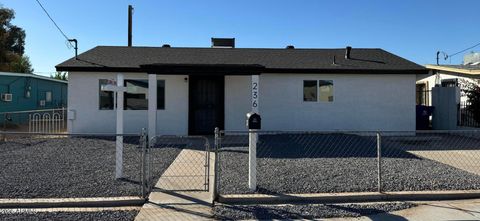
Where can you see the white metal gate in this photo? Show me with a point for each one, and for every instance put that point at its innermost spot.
(49, 122)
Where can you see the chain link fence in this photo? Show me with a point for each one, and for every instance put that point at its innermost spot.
(36, 165)
(335, 162)
(431, 160)
(179, 163)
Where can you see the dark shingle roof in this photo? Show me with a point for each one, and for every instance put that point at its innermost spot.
(137, 59)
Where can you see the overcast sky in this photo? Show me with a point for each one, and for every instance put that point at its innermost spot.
(412, 29)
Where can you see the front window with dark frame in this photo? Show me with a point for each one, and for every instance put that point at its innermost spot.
(318, 90)
(136, 96)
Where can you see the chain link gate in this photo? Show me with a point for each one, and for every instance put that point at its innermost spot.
(177, 163)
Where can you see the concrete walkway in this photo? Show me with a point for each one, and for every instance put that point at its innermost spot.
(182, 195)
(439, 210)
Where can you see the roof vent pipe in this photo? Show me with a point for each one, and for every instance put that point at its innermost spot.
(347, 52)
(166, 46)
(290, 47)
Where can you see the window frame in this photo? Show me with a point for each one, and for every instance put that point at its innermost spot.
(318, 92)
(125, 97)
(333, 92)
(108, 92)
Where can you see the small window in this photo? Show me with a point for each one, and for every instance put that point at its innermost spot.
(309, 91)
(325, 88)
(105, 97)
(48, 96)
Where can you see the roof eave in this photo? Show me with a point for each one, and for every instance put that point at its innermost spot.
(232, 69)
(351, 71)
(453, 70)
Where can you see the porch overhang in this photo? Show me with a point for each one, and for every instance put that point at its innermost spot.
(203, 69)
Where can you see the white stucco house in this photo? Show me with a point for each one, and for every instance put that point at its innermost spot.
(199, 89)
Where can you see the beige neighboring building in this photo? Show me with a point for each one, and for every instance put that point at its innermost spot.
(447, 76)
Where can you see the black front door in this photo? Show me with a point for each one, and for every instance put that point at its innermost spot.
(206, 104)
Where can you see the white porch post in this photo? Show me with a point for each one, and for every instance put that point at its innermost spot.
(152, 106)
(252, 138)
(119, 140)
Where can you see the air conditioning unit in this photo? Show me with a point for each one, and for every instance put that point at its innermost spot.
(42, 103)
(7, 97)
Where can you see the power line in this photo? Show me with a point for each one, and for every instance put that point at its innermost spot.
(456, 53)
(51, 19)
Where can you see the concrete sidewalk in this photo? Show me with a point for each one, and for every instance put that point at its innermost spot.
(183, 196)
(438, 210)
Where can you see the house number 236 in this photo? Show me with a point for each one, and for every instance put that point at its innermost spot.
(255, 94)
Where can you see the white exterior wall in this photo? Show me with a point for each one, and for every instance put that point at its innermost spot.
(238, 101)
(83, 98)
(361, 103)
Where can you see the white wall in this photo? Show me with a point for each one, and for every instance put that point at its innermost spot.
(83, 98)
(361, 102)
(237, 101)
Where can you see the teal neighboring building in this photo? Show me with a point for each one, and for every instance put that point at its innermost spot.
(23, 92)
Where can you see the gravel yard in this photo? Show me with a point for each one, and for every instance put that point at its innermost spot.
(310, 211)
(71, 216)
(333, 163)
(73, 167)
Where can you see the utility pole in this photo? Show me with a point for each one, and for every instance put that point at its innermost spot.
(130, 12)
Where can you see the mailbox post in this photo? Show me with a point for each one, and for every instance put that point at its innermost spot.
(253, 125)
(254, 122)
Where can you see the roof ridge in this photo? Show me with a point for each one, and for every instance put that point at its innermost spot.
(186, 47)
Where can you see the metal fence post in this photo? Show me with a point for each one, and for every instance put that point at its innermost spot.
(143, 143)
(379, 162)
(149, 145)
(207, 165)
(216, 165)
